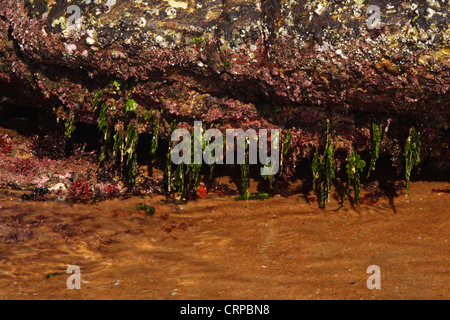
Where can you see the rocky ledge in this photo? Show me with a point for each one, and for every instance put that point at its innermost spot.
(294, 65)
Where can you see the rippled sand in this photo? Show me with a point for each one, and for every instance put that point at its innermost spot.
(282, 248)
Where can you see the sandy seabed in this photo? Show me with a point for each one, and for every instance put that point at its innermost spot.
(218, 248)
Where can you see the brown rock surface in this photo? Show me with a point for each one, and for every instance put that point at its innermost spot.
(288, 64)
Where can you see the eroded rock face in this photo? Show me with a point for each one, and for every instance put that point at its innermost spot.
(266, 63)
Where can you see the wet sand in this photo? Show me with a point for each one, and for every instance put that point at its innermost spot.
(282, 248)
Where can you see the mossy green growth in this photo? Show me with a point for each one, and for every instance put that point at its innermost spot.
(199, 41)
(150, 211)
(354, 167)
(116, 85)
(324, 171)
(131, 105)
(412, 155)
(377, 136)
(225, 58)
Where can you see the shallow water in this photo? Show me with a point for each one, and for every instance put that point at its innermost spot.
(282, 248)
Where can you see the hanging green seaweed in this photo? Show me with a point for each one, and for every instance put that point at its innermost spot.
(69, 126)
(354, 167)
(155, 138)
(103, 119)
(130, 154)
(285, 148)
(270, 178)
(377, 136)
(286, 145)
(104, 127)
(245, 174)
(184, 180)
(245, 178)
(193, 169)
(412, 155)
(97, 98)
(212, 168)
(178, 181)
(124, 154)
(118, 147)
(324, 171)
(168, 172)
